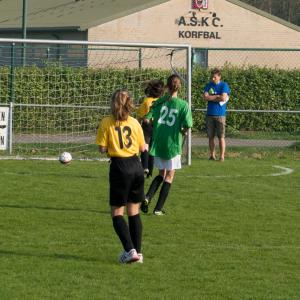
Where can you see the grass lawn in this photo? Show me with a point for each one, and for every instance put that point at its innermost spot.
(232, 231)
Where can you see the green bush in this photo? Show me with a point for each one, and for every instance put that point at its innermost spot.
(258, 89)
(252, 88)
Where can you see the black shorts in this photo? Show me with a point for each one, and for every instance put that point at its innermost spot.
(126, 179)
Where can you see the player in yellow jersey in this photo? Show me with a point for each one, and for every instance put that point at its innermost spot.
(121, 136)
(154, 89)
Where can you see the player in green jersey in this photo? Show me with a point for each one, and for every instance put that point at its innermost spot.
(171, 118)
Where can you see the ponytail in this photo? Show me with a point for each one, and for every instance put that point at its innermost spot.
(121, 105)
(173, 84)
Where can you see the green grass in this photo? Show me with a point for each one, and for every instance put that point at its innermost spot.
(232, 237)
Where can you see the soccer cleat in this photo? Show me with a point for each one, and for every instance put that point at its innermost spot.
(145, 205)
(129, 257)
(159, 212)
(141, 258)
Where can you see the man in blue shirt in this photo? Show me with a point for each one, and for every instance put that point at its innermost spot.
(216, 93)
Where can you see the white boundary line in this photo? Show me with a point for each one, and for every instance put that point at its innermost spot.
(49, 158)
(283, 171)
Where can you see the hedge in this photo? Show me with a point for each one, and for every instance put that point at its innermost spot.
(252, 88)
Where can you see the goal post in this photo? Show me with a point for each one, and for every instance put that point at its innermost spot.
(60, 90)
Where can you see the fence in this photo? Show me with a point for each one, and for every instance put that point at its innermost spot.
(264, 105)
(57, 101)
(59, 91)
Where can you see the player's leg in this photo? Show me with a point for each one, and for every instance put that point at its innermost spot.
(150, 165)
(156, 182)
(120, 184)
(147, 130)
(121, 227)
(136, 195)
(164, 192)
(221, 124)
(135, 227)
(150, 161)
(210, 127)
(144, 161)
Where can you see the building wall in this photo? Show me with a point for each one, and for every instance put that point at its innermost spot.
(222, 25)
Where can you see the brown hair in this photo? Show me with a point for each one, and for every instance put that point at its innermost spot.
(216, 72)
(121, 105)
(155, 88)
(173, 83)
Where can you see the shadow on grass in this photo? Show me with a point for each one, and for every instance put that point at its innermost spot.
(55, 256)
(52, 208)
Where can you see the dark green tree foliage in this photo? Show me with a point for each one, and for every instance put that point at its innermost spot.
(288, 10)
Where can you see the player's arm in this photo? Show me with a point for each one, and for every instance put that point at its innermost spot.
(102, 137)
(187, 120)
(215, 98)
(144, 147)
(208, 97)
(102, 149)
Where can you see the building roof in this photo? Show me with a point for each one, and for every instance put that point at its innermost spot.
(76, 14)
(83, 14)
(264, 14)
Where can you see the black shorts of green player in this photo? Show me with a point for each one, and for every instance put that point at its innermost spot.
(126, 177)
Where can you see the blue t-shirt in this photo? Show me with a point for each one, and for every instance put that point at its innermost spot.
(215, 108)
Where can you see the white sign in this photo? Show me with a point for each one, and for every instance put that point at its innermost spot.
(4, 122)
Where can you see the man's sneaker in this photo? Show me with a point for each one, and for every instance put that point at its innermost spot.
(159, 212)
(145, 205)
(141, 258)
(129, 257)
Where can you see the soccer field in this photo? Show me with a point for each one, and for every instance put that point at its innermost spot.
(232, 231)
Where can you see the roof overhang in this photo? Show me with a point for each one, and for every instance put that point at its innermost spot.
(81, 14)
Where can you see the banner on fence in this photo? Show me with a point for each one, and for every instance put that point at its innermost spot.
(4, 123)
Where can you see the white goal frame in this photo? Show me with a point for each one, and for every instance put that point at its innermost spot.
(188, 68)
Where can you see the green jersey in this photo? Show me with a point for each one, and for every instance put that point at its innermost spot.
(169, 117)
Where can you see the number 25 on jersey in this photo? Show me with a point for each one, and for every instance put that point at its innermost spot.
(167, 116)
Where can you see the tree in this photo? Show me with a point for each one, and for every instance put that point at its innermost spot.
(288, 10)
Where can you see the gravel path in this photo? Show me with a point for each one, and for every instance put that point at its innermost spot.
(196, 140)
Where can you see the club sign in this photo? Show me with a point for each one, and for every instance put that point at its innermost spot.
(200, 4)
(199, 24)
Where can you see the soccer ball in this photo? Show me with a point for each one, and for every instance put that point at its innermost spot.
(65, 158)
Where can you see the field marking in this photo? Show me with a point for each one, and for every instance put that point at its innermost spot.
(284, 171)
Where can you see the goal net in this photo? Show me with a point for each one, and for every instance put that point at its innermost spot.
(54, 93)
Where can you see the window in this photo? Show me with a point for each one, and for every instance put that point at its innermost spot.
(200, 57)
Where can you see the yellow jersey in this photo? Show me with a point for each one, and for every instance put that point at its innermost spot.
(145, 106)
(121, 138)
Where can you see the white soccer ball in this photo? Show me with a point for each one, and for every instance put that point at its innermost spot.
(65, 158)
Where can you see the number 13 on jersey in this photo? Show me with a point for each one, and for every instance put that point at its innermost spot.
(167, 116)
